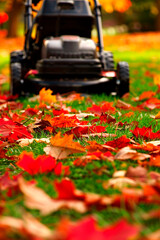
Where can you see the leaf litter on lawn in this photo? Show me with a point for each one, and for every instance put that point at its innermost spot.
(103, 176)
(107, 153)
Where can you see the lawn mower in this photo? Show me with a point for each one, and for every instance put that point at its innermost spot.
(59, 52)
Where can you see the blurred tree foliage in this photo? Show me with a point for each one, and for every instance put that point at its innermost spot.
(143, 15)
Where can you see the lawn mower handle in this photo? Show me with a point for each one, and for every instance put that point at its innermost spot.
(98, 15)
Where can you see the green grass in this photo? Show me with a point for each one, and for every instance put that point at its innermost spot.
(85, 178)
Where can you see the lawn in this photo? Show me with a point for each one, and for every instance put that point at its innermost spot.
(83, 166)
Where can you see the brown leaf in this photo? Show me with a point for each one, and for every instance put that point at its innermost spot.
(36, 198)
(127, 153)
(26, 141)
(103, 135)
(123, 105)
(138, 173)
(119, 182)
(27, 225)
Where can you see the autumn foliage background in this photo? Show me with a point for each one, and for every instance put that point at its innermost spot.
(76, 166)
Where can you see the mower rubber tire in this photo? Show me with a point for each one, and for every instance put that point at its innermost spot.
(122, 83)
(109, 61)
(15, 85)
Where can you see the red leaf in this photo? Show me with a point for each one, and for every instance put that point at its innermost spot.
(13, 131)
(59, 112)
(146, 95)
(102, 108)
(65, 189)
(120, 142)
(62, 121)
(41, 164)
(81, 130)
(87, 229)
(145, 133)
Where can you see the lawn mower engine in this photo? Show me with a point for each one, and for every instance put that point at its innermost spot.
(69, 56)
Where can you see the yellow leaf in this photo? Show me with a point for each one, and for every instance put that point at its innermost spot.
(46, 96)
(158, 115)
(156, 79)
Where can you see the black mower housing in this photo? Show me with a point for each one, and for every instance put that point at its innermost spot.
(59, 53)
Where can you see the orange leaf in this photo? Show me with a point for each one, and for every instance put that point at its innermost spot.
(156, 79)
(46, 96)
(62, 121)
(157, 116)
(146, 95)
(61, 147)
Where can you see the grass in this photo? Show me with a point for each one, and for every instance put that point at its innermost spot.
(86, 178)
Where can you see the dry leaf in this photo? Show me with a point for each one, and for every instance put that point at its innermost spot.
(30, 224)
(157, 116)
(61, 147)
(36, 198)
(119, 182)
(26, 141)
(127, 153)
(121, 104)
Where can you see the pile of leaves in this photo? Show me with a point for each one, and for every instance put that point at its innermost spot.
(73, 166)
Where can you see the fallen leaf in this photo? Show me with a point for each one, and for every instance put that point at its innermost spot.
(41, 164)
(127, 153)
(46, 96)
(26, 226)
(120, 142)
(123, 105)
(62, 121)
(146, 133)
(137, 173)
(146, 95)
(119, 182)
(84, 131)
(61, 147)
(157, 115)
(12, 131)
(87, 229)
(26, 141)
(36, 198)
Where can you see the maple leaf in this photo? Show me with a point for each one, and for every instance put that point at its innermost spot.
(120, 142)
(37, 165)
(102, 108)
(46, 96)
(62, 121)
(82, 161)
(150, 147)
(58, 112)
(61, 147)
(151, 103)
(145, 133)
(12, 131)
(87, 229)
(146, 95)
(94, 146)
(86, 130)
(104, 118)
(9, 184)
